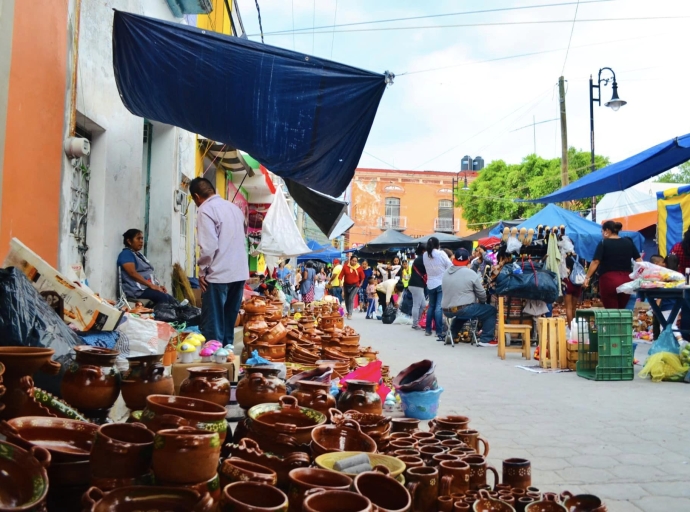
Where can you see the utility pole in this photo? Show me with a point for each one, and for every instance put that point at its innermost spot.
(564, 133)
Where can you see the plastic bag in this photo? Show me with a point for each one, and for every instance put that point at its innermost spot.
(630, 287)
(170, 312)
(664, 366)
(142, 336)
(514, 245)
(577, 274)
(389, 315)
(256, 359)
(651, 272)
(280, 236)
(403, 319)
(536, 307)
(566, 245)
(666, 342)
(406, 304)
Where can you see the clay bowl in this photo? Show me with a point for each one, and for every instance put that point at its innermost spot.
(133, 499)
(185, 455)
(454, 423)
(253, 496)
(416, 377)
(164, 412)
(285, 418)
(66, 440)
(23, 477)
(383, 491)
(321, 500)
(582, 502)
(485, 503)
(369, 423)
(238, 470)
(346, 436)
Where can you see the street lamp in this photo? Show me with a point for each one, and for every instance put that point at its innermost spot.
(456, 182)
(614, 104)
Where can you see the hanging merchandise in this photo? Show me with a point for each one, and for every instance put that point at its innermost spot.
(577, 274)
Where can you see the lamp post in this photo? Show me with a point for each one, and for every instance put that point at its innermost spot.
(456, 182)
(614, 104)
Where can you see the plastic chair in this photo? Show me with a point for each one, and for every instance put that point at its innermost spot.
(525, 331)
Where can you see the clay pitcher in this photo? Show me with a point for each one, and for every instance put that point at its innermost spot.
(260, 385)
(517, 473)
(361, 396)
(314, 395)
(92, 382)
(478, 470)
(422, 483)
(455, 477)
(207, 383)
(146, 376)
(473, 439)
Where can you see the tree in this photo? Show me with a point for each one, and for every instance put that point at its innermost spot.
(682, 175)
(492, 195)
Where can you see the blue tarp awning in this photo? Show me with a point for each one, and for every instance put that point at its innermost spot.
(319, 252)
(624, 174)
(584, 233)
(306, 119)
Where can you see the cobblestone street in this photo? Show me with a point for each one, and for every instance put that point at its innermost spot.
(627, 442)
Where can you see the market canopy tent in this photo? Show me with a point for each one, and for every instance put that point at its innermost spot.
(584, 233)
(320, 252)
(674, 217)
(389, 239)
(495, 230)
(626, 173)
(447, 240)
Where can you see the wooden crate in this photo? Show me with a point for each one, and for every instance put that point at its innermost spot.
(552, 341)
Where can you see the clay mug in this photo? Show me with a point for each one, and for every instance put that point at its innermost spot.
(252, 497)
(455, 477)
(385, 493)
(422, 483)
(521, 502)
(411, 461)
(121, 450)
(404, 452)
(208, 383)
(428, 442)
(403, 444)
(305, 479)
(503, 487)
(322, 500)
(238, 470)
(423, 435)
(582, 502)
(453, 443)
(461, 506)
(404, 425)
(454, 423)
(517, 473)
(394, 436)
(185, 455)
(472, 439)
(427, 453)
(441, 457)
(478, 470)
(518, 492)
(462, 451)
(443, 435)
(444, 504)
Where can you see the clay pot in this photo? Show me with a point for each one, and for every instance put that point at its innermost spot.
(422, 483)
(260, 385)
(582, 502)
(252, 497)
(133, 499)
(207, 383)
(444, 435)
(320, 500)
(472, 439)
(314, 395)
(453, 423)
(478, 470)
(361, 396)
(548, 503)
(66, 440)
(238, 470)
(146, 376)
(416, 377)
(436, 460)
(122, 450)
(302, 480)
(411, 461)
(344, 437)
(486, 502)
(273, 314)
(92, 382)
(254, 306)
(455, 477)
(23, 478)
(517, 473)
(166, 412)
(427, 453)
(185, 455)
(275, 334)
(404, 425)
(444, 504)
(211, 487)
(386, 493)
(20, 362)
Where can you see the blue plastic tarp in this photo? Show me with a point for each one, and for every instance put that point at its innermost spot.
(320, 252)
(584, 233)
(625, 174)
(306, 119)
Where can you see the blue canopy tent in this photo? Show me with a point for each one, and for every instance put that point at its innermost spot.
(319, 252)
(584, 233)
(624, 174)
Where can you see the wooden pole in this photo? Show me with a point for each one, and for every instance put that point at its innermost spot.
(564, 135)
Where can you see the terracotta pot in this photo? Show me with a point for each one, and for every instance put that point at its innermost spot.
(486, 502)
(404, 425)
(20, 362)
(275, 334)
(66, 440)
(110, 484)
(517, 473)
(472, 439)
(411, 461)
(444, 435)
(254, 306)
(451, 444)
(361, 396)
(92, 382)
(427, 453)
(253, 497)
(122, 450)
(453, 423)
(416, 377)
(320, 500)
(260, 385)
(238, 470)
(401, 435)
(422, 483)
(386, 493)
(302, 480)
(404, 452)
(548, 503)
(428, 442)
(455, 477)
(344, 437)
(436, 460)
(185, 455)
(207, 383)
(133, 499)
(23, 481)
(582, 502)
(444, 504)
(146, 376)
(314, 395)
(462, 451)
(478, 470)
(403, 444)
(273, 314)
(166, 412)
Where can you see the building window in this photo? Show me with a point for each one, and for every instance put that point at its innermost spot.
(445, 209)
(393, 207)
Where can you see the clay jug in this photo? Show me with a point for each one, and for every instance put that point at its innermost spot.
(207, 383)
(260, 385)
(361, 396)
(314, 395)
(92, 382)
(146, 376)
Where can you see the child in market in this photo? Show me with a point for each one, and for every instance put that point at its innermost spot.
(371, 298)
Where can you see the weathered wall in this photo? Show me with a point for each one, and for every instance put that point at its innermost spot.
(6, 24)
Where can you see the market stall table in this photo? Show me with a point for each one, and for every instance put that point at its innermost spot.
(679, 295)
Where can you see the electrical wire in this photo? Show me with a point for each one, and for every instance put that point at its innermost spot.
(261, 28)
(335, 15)
(293, 25)
(572, 29)
(382, 161)
(313, 23)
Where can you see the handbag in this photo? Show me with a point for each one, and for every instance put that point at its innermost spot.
(537, 284)
(423, 276)
(577, 274)
(536, 308)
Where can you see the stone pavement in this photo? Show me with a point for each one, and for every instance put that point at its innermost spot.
(627, 442)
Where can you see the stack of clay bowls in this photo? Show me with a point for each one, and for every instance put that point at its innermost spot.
(340, 367)
(376, 426)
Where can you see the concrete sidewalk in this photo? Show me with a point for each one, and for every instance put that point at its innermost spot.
(627, 442)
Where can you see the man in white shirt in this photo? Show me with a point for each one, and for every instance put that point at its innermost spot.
(223, 266)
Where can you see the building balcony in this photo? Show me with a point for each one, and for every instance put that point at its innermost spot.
(446, 225)
(392, 222)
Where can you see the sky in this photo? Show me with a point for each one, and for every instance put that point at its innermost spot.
(487, 92)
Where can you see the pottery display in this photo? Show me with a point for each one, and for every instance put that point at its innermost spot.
(455, 477)
(92, 382)
(314, 395)
(548, 503)
(210, 486)
(122, 450)
(345, 436)
(485, 503)
(23, 477)
(422, 484)
(37, 402)
(260, 385)
(394, 465)
(478, 471)
(517, 473)
(145, 376)
(386, 493)
(252, 497)
(275, 334)
(582, 502)
(473, 439)
(207, 383)
(142, 498)
(361, 396)
(166, 412)
(453, 423)
(238, 470)
(303, 480)
(419, 376)
(21, 362)
(185, 455)
(320, 500)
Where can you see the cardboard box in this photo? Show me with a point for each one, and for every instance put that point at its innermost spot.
(180, 373)
(82, 307)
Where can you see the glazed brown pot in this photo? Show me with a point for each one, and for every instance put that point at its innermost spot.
(478, 470)
(419, 376)
(275, 334)
(404, 425)
(455, 477)
(422, 483)
(185, 455)
(23, 480)
(472, 439)
(436, 460)
(361, 396)
(92, 381)
(582, 502)
(252, 497)
(445, 435)
(517, 473)
(207, 383)
(411, 461)
(260, 385)
(255, 306)
(239, 470)
(344, 437)
(427, 453)
(302, 480)
(134, 499)
(386, 493)
(314, 395)
(122, 450)
(453, 423)
(146, 376)
(486, 502)
(166, 412)
(320, 500)
(548, 503)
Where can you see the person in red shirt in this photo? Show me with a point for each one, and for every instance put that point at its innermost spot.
(682, 251)
(353, 277)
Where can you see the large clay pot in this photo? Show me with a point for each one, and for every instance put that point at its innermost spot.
(386, 493)
(344, 437)
(417, 377)
(122, 450)
(21, 362)
(185, 455)
(23, 478)
(252, 497)
(207, 383)
(133, 499)
(453, 423)
(260, 385)
(166, 412)
(314, 395)
(146, 376)
(361, 396)
(275, 334)
(254, 306)
(237, 470)
(92, 382)
(304, 480)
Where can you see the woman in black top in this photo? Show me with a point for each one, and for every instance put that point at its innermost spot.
(416, 286)
(613, 260)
